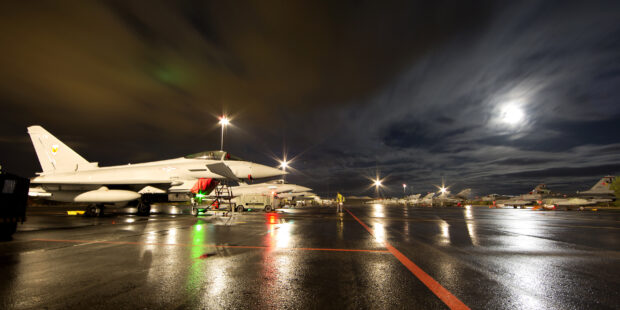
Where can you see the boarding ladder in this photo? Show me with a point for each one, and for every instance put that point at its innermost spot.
(223, 196)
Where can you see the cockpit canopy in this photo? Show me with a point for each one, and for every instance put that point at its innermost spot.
(213, 155)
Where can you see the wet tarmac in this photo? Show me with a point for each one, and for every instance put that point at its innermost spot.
(370, 257)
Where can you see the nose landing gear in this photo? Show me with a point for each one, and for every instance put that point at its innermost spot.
(144, 207)
(94, 210)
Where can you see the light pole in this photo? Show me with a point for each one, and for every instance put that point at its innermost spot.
(404, 188)
(223, 122)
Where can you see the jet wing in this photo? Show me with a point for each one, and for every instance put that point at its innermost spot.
(223, 170)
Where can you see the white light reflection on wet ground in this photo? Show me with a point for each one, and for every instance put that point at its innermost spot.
(278, 266)
(379, 230)
(532, 273)
(378, 210)
(532, 281)
(171, 236)
(283, 236)
(525, 233)
(444, 237)
(217, 276)
(471, 227)
(468, 213)
(406, 231)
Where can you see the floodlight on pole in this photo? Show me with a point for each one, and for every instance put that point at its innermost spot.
(377, 183)
(223, 122)
(284, 164)
(404, 188)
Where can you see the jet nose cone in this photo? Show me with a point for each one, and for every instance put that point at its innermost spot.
(262, 171)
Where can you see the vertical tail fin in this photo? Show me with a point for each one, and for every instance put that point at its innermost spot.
(540, 189)
(602, 186)
(464, 193)
(54, 156)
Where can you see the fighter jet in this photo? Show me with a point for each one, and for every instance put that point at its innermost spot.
(600, 192)
(548, 200)
(411, 199)
(566, 203)
(385, 201)
(445, 198)
(68, 177)
(494, 197)
(277, 187)
(273, 189)
(531, 198)
(427, 200)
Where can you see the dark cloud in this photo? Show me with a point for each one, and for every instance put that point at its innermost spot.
(522, 161)
(590, 171)
(416, 90)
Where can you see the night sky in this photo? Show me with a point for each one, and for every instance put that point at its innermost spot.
(496, 96)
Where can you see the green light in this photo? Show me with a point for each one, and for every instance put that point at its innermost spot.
(200, 195)
(198, 227)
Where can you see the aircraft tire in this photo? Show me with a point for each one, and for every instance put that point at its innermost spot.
(144, 209)
(194, 211)
(7, 230)
(267, 208)
(91, 211)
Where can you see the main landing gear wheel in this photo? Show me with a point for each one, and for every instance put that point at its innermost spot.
(194, 211)
(7, 230)
(239, 208)
(144, 209)
(94, 210)
(268, 208)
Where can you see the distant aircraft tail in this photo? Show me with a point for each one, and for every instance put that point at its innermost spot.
(602, 186)
(429, 195)
(54, 156)
(540, 189)
(464, 193)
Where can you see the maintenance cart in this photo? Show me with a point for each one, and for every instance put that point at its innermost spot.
(13, 200)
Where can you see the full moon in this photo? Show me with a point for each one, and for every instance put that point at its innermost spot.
(512, 115)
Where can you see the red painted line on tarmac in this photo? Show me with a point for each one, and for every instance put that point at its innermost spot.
(450, 300)
(210, 245)
(339, 250)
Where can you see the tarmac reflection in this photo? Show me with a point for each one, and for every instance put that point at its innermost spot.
(471, 227)
(445, 232)
(378, 210)
(278, 268)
